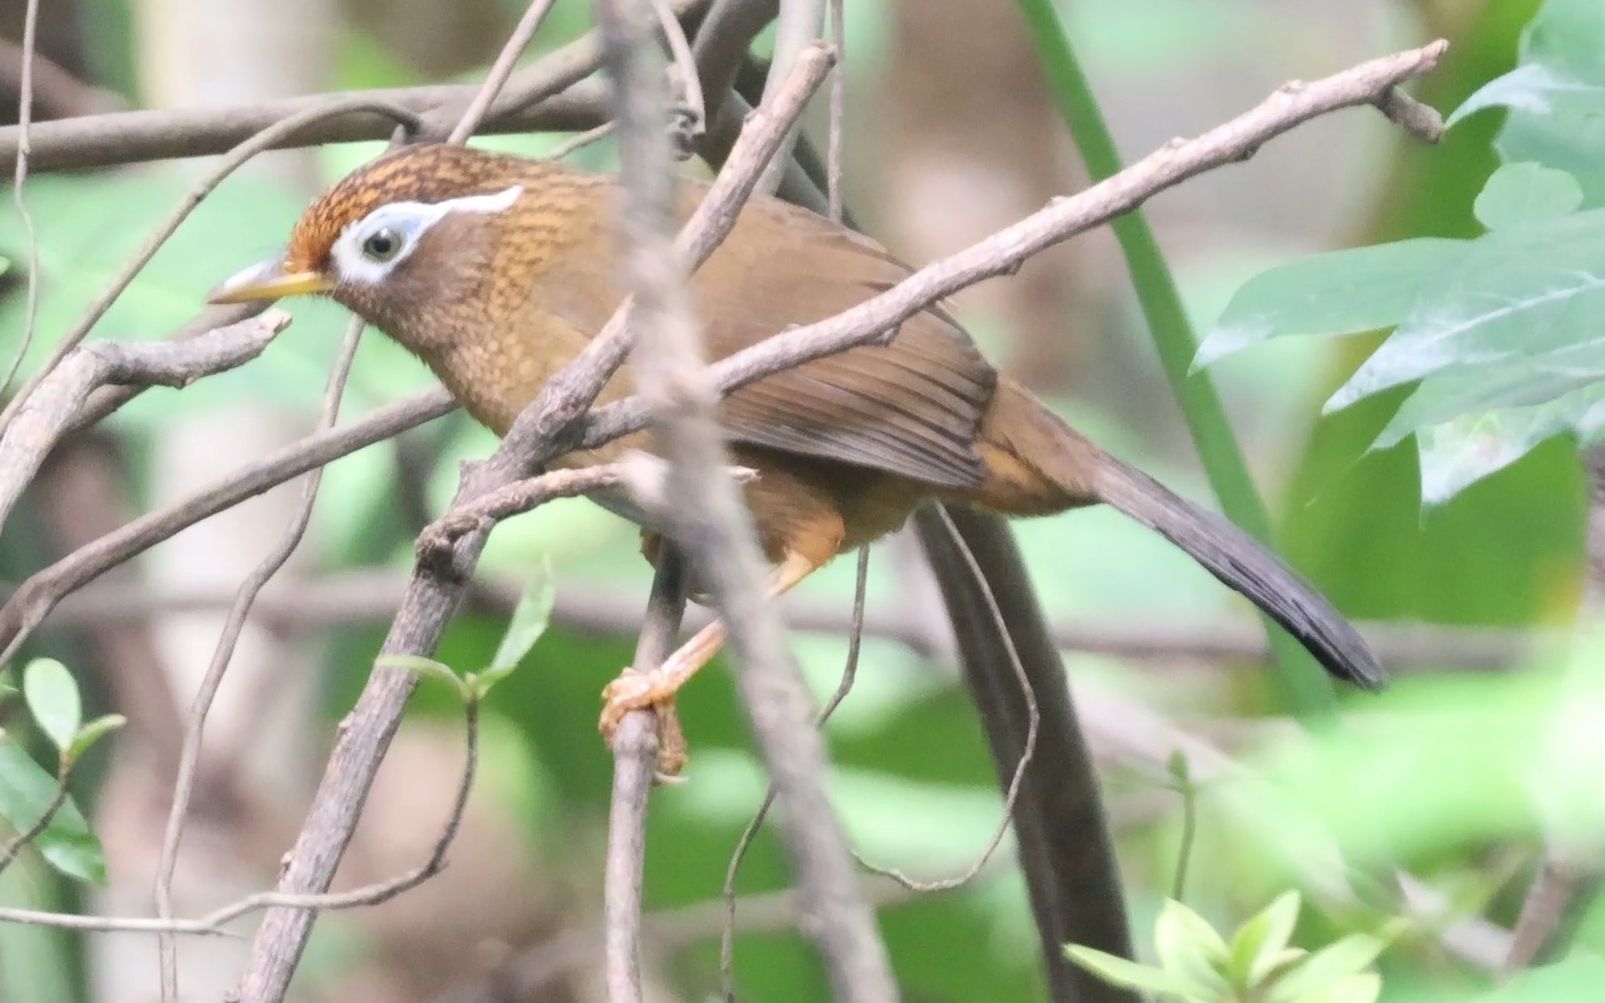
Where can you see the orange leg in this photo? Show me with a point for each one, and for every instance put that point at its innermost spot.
(634, 690)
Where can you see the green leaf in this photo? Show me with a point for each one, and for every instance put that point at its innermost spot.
(53, 700)
(1364, 988)
(1257, 946)
(1338, 961)
(1190, 950)
(1457, 453)
(426, 667)
(1527, 297)
(530, 618)
(26, 790)
(1523, 194)
(1341, 292)
(1118, 971)
(93, 732)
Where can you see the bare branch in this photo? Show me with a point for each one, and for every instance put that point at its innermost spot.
(712, 521)
(35, 598)
(30, 31)
(234, 623)
(212, 924)
(500, 70)
(44, 418)
(635, 757)
(548, 96)
(855, 639)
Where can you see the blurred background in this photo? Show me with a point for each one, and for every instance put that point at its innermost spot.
(1455, 775)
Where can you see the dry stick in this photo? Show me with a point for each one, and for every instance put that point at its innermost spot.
(1033, 721)
(581, 140)
(30, 27)
(540, 431)
(549, 95)
(49, 411)
(28, 606)
(727, 933)
(635, 755)
(500, 70)
(712, 520)
(372, 894)
(263, 140)
(223, 654)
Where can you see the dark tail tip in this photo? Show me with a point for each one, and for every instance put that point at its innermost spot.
(1239, 561)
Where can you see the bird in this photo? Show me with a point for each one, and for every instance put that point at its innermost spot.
(496, 270)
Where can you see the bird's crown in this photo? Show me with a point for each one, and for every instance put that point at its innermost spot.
(428, 174)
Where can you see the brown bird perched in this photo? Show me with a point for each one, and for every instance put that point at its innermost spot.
(497, 270)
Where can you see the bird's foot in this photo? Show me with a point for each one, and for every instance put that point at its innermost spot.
(634, 690)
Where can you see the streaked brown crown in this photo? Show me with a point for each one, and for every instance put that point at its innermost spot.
(425, 173)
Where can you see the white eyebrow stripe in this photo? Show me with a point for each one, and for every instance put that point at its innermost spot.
(414, 220)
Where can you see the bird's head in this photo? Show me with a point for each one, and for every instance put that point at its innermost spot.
(408, 241)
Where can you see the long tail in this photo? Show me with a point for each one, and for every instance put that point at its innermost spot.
(1024, 444)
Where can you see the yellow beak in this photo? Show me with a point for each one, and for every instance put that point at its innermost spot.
(268, 280)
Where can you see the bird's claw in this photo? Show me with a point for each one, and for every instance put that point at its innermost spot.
(634, 690)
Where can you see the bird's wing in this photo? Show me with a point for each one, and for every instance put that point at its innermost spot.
(910, 407)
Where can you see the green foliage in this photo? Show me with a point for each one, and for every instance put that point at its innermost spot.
(27, 790)
(1496, 333)
(529, 621)
(1198, 965)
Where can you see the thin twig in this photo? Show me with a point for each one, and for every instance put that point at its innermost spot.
(855, 638)
(1033, 722)
(580, 140)
(29, 604)
(551, 95)
(636, 749)
(223, 654)
(13, 846)
(50, 410)
(500, 70)
(692, 112)
(838, 110)
(211, 925)
(262, 140)
(714, 524)
(800, 24)
(30, 29)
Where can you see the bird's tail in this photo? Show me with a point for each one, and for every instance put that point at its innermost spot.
(1024, 445)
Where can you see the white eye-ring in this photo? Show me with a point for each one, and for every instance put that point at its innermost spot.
(369, 249)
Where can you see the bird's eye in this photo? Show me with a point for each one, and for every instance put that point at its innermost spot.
(382, 245)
